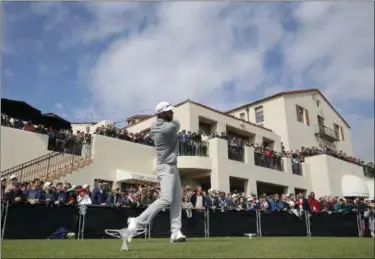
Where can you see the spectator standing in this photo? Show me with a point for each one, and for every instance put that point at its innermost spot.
(83, 198)
(370, 215)
(99, 195)
(13, 180)
(60, 195)
(34, 194)
(197, 199)
(276, 203)
(15, 194)
(48, 196)
(302, 204)
(29, 126)
(187, 206)
(340, 206)
(314, 204)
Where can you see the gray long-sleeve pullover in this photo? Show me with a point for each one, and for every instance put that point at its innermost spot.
(164, 134)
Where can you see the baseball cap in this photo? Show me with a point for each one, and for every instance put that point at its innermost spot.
(163, 107)
(12, 177)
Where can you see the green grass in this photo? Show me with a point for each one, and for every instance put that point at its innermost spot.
(239, 247)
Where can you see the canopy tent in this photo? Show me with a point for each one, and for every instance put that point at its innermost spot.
(354, 186)
(54, 121)
(19, 110)
(123, 176)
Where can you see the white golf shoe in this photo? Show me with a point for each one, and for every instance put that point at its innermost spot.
(132, 227)
(177, 237)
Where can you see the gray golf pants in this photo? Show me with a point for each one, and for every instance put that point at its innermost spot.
(170, 196)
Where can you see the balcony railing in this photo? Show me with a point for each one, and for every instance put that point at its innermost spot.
(271, 162)
(326, 132)
(193, 148)
(368, 171)
(297, 168)
(236, 153)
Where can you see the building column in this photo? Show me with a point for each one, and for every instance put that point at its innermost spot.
(219, 174)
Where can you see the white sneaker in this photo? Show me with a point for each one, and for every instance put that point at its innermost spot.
(132, 226)
(177, 237)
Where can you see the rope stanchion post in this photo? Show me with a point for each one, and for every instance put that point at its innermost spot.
(307, 221)
(260, 222)
(81, 221)
(4, 213)
(360, 234)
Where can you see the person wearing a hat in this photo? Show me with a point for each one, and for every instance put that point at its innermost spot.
(13, 180)
(83, 198)
(15, 194)
(164, 133)
(370, 215)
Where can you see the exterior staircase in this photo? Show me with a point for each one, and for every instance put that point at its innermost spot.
(49, 167)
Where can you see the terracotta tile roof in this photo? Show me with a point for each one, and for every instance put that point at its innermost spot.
(91, 122)
(208, 108)
(291, 93)
(142, 116)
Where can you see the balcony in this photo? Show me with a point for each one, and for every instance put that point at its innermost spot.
(297, 168)
(262, 160)
(193, 149)
(327, 133)
(236, 153)
(368, 171)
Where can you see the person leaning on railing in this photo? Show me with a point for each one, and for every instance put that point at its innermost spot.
(16, 195)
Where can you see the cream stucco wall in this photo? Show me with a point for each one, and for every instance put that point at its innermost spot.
(326, 174)
(110, 154)
(274, 114)
(188, 114)
(301, 134)
(280, 117)
(19, 146)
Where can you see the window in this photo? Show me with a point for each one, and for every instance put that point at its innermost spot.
(259, 117)
(300, 113)
(320, 121)
(337, 130)
(242, 116)
(318, 103)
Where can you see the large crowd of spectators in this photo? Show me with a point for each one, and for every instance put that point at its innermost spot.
(190, 144)
(142, 195)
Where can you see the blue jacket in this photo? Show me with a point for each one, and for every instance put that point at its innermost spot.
(97, 197)
(276, 205)
(34, 194)
(48, 196)
(61, 196)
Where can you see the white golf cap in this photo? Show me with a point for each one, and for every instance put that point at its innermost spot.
(47, 184)
(85, 186)
(2, 179)
(163, 107)
(12, 177)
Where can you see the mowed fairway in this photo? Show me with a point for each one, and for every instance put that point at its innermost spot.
(265, 247)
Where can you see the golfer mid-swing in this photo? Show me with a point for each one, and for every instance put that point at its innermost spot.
(164, 133)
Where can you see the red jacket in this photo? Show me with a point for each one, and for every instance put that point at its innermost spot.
(314, 203)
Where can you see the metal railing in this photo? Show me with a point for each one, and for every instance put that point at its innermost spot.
(193, 148)
(326, 132)
(236, 153)
(48, 165)
(297, 168)
(368, 171)
(271, 162)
